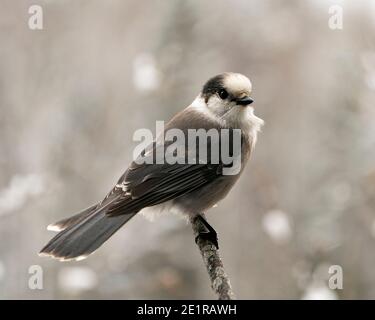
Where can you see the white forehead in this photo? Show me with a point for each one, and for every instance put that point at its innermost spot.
(237, 83)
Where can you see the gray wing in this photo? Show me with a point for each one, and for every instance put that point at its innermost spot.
(146, 185)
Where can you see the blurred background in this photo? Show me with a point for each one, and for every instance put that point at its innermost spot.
(73, 93)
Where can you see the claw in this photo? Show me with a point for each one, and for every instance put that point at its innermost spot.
(207, 232)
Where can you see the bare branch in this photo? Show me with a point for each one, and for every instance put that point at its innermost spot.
(219, 280)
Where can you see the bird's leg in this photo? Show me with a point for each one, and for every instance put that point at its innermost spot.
(206, 231)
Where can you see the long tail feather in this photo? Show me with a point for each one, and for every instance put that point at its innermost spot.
(63, 224)
(84, 234)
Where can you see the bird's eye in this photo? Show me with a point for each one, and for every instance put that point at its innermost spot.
(223, 94)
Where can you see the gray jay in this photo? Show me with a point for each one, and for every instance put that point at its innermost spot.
(189, 187)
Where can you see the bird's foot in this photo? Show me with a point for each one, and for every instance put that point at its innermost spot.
(206, 232)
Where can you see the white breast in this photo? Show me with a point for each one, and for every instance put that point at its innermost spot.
(237, 117)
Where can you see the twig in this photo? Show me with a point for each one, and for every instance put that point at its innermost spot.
(220, 283)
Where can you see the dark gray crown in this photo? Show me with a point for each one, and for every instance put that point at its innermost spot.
(213, 85)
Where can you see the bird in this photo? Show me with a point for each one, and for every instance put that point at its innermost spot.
(190, 188)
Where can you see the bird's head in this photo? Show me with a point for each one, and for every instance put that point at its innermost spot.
(227, 96)
(227, 90)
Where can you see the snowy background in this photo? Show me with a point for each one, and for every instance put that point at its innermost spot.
(72, 95)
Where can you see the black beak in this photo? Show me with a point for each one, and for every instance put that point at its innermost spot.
(244, 101)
